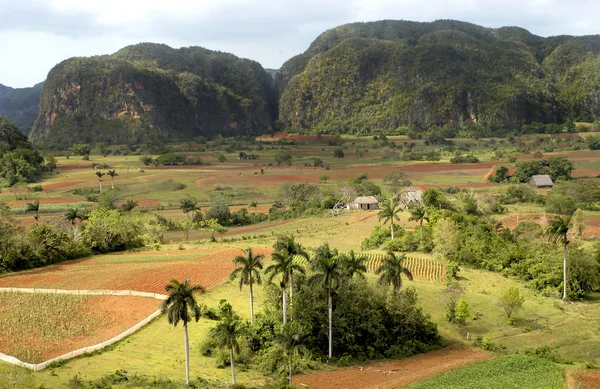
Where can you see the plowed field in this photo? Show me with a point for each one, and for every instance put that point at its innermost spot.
(41, 327)
(146, 271)
(393, 374)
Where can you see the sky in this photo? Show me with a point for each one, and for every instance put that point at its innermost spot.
(35, 35)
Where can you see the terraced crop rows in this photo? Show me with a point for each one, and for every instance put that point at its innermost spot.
(421, 268)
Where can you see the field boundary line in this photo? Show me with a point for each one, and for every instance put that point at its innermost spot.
(89, 349)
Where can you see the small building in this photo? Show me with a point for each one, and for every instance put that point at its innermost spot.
(541, 181)
(365, 203)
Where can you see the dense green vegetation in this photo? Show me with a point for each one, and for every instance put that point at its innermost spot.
(460, 229)
(45, 243)
(151, 92)
(21, 105)
(512, 371)
(401, 76)
(19, 162)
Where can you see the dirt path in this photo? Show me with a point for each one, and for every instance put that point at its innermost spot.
(489, 173)
(393, 374)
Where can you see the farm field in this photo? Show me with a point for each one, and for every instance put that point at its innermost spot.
(569, 330)
(38, 327)
(394, 374)
(144, 272)
(505, 372)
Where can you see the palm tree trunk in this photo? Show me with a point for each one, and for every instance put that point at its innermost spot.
(251, 306)
(330, 308)
(290, 374)
(392, 229)
(100, 186)
(284, 305)
(112, 182)
(187, 355)
(232, 366)
(291, 286)
(565, 272)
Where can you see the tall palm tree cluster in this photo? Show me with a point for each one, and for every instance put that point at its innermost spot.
(327, 269)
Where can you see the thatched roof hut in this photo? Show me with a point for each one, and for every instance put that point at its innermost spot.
(541, 181)
(365, 203)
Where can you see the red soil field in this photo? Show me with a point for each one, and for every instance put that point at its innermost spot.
(122, 312)
(589, 379)
(393, 374)
(211, 268)
(64, 184)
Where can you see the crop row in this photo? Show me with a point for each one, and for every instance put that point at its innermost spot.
(421, 268)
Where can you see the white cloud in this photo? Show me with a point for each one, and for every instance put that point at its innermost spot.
(36, 34)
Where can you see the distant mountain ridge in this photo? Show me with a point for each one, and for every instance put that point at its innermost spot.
(356, 78)
(152, 92)
(365, 77)
(20, 105)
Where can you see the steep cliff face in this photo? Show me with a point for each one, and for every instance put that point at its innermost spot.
(366, 77)
(20, 105)
(149, 93)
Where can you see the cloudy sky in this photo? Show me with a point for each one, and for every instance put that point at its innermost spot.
(37, 34)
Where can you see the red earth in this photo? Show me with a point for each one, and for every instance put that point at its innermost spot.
(211, 268)
(123, 312)
(393, 374)
(589, 379)
(63, 184)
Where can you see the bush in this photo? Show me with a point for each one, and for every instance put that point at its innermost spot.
(464, 159)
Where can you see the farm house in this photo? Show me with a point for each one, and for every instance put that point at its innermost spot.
(365, 203)
(541, 181)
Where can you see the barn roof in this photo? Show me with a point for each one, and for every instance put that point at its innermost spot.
(541, 180)
(366, 200)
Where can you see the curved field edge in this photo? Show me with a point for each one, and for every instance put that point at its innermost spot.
(51, 333)
(511, 371)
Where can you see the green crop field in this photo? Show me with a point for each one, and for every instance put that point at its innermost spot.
(514, 371)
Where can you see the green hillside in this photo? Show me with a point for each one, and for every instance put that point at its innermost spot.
(20, 105)
(366, 77)
(150, 92)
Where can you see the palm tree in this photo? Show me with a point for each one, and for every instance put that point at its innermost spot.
(295, 249)
(112, 175)
(282, 263)
(419, 215)
(290, 341)
(557, 233)
(388, 212)
(352, 264)
(391, 269)
(248, 273)
(129, 205)
(189, 205)
(226, 334)
(35, 208)
(181, 305)
(100, 174)
(328, 273)
(72, 215)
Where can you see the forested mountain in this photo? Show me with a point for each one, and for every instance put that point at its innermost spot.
(382, 75)
(152, 92)
(20, 105)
